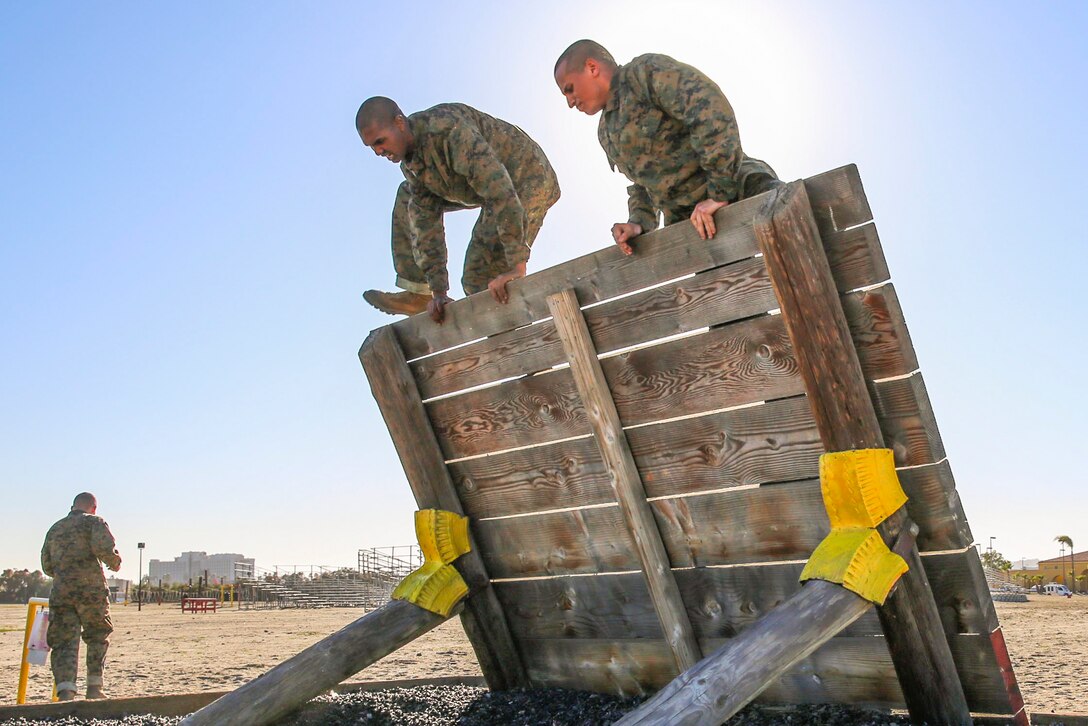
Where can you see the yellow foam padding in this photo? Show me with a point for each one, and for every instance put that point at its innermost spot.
(436, 586)
(858, 559)
(442, 535)
(860, 487)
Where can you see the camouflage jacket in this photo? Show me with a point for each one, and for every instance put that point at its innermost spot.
(467, 158)
(670, 130)
(72, 551)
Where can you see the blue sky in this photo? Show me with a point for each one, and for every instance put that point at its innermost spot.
(188, 219)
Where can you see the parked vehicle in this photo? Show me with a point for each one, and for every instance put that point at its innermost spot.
(1055, 588)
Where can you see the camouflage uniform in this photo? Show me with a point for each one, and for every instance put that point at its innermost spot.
(71, 554)
(463, 159)
(670, 130)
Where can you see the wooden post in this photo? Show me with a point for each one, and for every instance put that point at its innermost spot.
(626, 482)
(846, 419)
(728, 679)
(402, 408)
(320, 667)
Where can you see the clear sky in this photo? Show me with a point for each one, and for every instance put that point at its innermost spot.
(188, 219)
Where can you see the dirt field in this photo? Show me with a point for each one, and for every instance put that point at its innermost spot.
(160, 650)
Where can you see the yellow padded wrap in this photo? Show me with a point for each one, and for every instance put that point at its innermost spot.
(857, 559)
(442, 535)
(435, 586)
(860, 487)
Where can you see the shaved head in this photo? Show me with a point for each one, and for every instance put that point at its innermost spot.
(85, 502)
(574, 57)
(376, 111)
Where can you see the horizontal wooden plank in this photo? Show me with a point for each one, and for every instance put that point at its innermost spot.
(906, 420)
(772, 522)
(879, 333)
(720, 601)
(716, 296)
(844, 670)
(733, 365)
(962, 595)
(850, 670)
(664, 254)
(856, 257)
(934, 505)
(735, 526)
(838, 199)
(756, 445)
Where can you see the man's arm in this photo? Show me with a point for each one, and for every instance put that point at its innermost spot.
(103, 546)
(690, 97)
(47, 558)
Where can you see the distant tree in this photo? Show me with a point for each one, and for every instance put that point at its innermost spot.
(18, 586)
(996, 561)
(1068, 542)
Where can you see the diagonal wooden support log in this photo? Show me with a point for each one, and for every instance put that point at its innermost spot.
(320, 667)
(626, 482)
(846, 419)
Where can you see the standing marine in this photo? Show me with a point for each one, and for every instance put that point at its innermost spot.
(670, 130)
(456, 157)
(73, 550)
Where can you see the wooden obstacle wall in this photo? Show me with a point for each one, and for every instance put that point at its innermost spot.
(713, 408)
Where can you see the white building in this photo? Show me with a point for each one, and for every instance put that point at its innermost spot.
(220, 569)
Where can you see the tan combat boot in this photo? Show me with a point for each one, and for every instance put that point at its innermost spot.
(397, 303)
(94, 688)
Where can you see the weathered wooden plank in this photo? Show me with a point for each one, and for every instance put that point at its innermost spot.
(847, 419)
(402, 409)
(856, 257)
(906, 421)
(604, 419)
(880, 336)
(855, 671)
(664, 254)
(934, 505)
(721, 602)
(774, 442)
(716, 296)
(837, 199)
(773, 522)
(734, 365)
(734, 526)
(962, 595)
(713, 297)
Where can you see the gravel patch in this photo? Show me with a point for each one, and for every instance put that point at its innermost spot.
(474, 706)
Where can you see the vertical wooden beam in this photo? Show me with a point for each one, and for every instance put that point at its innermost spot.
(846, 419)
(624, 476)
(402, 408)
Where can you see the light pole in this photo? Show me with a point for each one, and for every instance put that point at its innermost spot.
(990, 549)
(140, 579)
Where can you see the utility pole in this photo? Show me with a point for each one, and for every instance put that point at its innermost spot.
(140, 579)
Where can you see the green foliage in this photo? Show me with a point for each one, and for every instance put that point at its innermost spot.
(996, 561)
(18, 586)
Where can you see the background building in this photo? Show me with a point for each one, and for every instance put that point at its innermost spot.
(1057, 569)
(220, 569)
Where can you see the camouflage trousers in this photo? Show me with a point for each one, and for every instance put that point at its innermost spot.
(66, 616)
(485, 259)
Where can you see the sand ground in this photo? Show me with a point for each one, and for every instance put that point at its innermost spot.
(160, 650)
